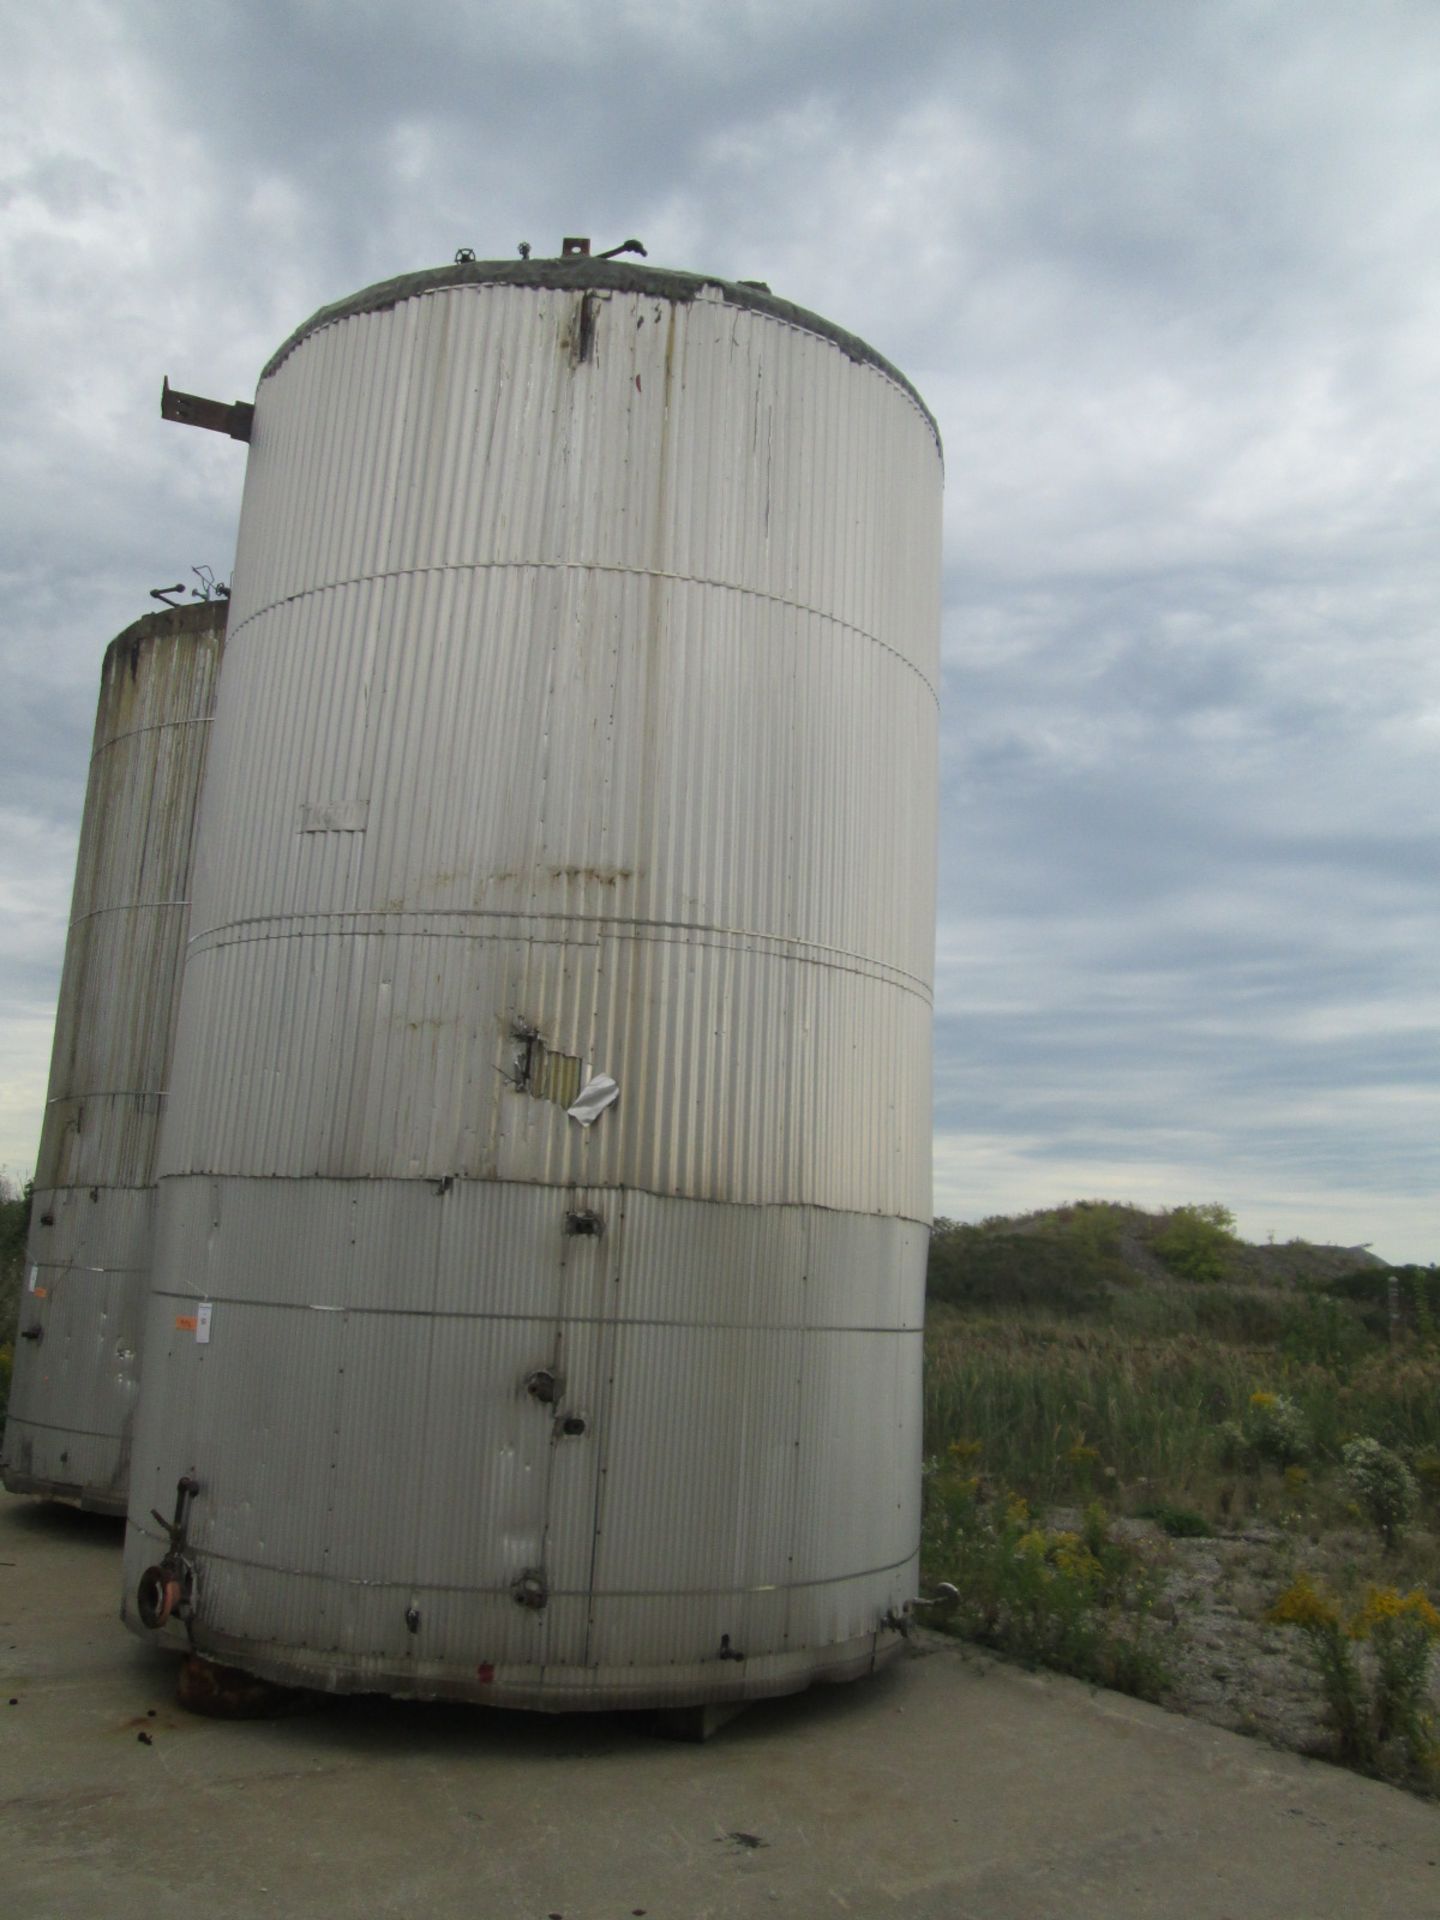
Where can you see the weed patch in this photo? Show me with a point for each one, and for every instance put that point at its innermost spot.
(1075, 1600)
(1377, 1709)
(1263, 1408)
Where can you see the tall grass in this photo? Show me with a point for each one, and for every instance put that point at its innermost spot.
(1045, 1397)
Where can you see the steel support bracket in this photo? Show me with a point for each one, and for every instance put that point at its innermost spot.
(190, 410)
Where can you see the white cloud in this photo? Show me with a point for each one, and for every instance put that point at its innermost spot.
(1166, 277)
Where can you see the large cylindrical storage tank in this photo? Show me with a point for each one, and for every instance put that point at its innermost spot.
(72, 1400)
(579, 720)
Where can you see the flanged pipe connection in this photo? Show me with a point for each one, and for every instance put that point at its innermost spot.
(165, 1591)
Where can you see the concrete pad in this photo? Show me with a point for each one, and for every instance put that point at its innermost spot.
(949, 1786)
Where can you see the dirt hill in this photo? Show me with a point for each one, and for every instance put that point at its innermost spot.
(1076, 1258)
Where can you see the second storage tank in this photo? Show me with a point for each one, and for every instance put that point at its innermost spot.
(77, 1360)
(578, 733)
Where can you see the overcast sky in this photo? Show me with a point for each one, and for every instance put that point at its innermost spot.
(1166, 272)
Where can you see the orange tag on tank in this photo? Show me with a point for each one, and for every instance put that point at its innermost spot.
(184, 1323)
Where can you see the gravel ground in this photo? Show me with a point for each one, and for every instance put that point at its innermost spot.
(1228, 1667)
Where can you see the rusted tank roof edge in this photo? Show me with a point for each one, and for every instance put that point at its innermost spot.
(582, 273)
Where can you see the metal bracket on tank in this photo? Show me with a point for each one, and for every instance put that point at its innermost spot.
(191, 410)
(577, 247)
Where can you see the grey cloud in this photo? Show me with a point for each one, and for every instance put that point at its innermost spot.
(65, 186)
(1164, 274)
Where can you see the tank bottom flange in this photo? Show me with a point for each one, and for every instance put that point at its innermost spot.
(659, 1689)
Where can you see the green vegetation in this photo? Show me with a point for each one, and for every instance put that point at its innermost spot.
(1159, 1363)
(14, 1227)
(1384, 1487)
(1162, 1411)
(1066, 1328)
(1076, 1599)
(1378, 1712)
(1195, 1242)
(1067, 1264)
(1181, 1523)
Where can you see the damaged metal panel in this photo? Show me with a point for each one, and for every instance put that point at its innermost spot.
(72, 1400)
(579, 720)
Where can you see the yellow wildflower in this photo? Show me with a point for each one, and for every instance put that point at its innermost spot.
(1304, 1605)
(1384, 1604)
(964, 1449)
(1419, 1606)
(1262, 1402)
(1017, 1510)
(1072, 1558)
(1031, 1544)
(1381, 1603)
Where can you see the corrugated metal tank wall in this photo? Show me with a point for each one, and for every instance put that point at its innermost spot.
(579, 719)
(73, 1396)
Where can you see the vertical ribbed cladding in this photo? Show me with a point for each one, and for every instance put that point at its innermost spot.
(579, 717)
(73, 1396)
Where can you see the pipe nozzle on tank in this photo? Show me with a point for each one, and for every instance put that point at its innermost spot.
(167, 1589)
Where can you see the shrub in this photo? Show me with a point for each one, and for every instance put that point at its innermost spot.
(1065, 1266)
(1401, 1631)
(1427, 1473)
(1375, 1717)
(1369, 1290)
(1181, 1523)
(1078, 1601)
(1277, 1429)
(1311, 1609)
(14, 1226)
(1195, 1242)
(1384, 1487)
(1319, 1331)
(1272, 1428)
